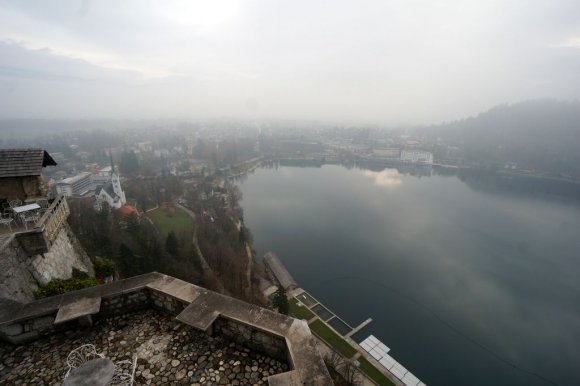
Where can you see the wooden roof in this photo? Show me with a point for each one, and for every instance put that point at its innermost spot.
(23, 162)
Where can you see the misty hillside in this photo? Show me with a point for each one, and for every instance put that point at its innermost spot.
(538, 134)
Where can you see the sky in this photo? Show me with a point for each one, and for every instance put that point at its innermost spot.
(393, 62)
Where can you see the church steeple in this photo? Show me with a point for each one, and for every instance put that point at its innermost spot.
(112, 164)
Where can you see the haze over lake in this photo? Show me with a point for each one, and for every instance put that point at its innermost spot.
(463, 277)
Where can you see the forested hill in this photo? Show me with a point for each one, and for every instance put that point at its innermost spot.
(539, 134)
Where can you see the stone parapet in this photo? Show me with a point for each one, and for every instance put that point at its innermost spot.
(252, 326)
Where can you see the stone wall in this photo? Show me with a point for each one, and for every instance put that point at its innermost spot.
(42, 324)
(123, 303)
(16, 279)
(258, 329)
(166, 303)
(22, 187)
(21, 274)
(251, 337)
(36, 326)
(61, 259)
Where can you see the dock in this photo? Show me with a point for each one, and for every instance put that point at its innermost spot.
(380, 353)
(359, 327)
(282, 275)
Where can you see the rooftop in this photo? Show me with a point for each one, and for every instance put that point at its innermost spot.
(73, 179)
(23, 162)
(127, 210)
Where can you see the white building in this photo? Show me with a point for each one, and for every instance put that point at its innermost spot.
(110, 191)
(78, 185)
(417, 156)
(105, 185)
(391, 153)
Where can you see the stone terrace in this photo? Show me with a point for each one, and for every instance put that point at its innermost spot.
(168, 352)
(179, 322)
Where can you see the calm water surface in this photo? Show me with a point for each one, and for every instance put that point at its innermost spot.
(463, 277)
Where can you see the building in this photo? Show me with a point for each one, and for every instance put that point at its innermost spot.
(21, 173)
(111, 191)
(105, 185)
(102, 176)
(33, 253)
(79, 185)
(389, 154)
(417, 157)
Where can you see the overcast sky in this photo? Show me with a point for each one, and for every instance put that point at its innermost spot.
(388, 62)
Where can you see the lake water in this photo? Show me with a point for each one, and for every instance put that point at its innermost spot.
(464, 276)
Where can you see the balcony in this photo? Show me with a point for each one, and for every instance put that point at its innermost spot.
(38, 238)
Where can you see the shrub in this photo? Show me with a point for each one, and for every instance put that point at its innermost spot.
(58, 286)
(104, 267)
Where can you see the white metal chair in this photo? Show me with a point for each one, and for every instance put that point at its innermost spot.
(124, 373)
(81, 355)
(30, 218)
(43, 203)
(14, 203)
(124, 370)
(6, 221)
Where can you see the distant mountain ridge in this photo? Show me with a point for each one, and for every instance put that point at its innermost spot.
(538, 117)
(538, 134)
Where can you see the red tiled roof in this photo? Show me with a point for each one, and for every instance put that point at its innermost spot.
(127, 210)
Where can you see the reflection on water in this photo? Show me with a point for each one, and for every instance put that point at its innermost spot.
(387, 178)
(463, 273)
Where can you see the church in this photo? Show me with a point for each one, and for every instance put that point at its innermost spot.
(108, 189)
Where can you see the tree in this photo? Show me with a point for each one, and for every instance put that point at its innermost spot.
(127, 261)
(171, 245)
(280, 301)
(129, 162)
(104, 267)
(342, 370)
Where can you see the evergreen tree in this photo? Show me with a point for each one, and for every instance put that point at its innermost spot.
(127, 261)
(171, 245)
(129, 162)
(280, 301)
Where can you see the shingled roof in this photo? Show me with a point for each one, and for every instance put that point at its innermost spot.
(23, 162)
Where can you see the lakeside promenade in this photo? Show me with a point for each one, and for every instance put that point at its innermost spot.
(335, 334)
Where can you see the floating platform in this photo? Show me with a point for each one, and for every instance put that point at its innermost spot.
(379, 351)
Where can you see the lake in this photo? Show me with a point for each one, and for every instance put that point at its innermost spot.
(471, 278)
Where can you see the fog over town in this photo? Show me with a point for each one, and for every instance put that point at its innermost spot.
(324, 193)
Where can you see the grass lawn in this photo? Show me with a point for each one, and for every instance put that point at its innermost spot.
(175, 220)
(299, 311)
(332, 338)
(370, 370)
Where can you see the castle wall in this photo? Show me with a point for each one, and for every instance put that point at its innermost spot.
(252, 337)
(21, 274)
(22, 187)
